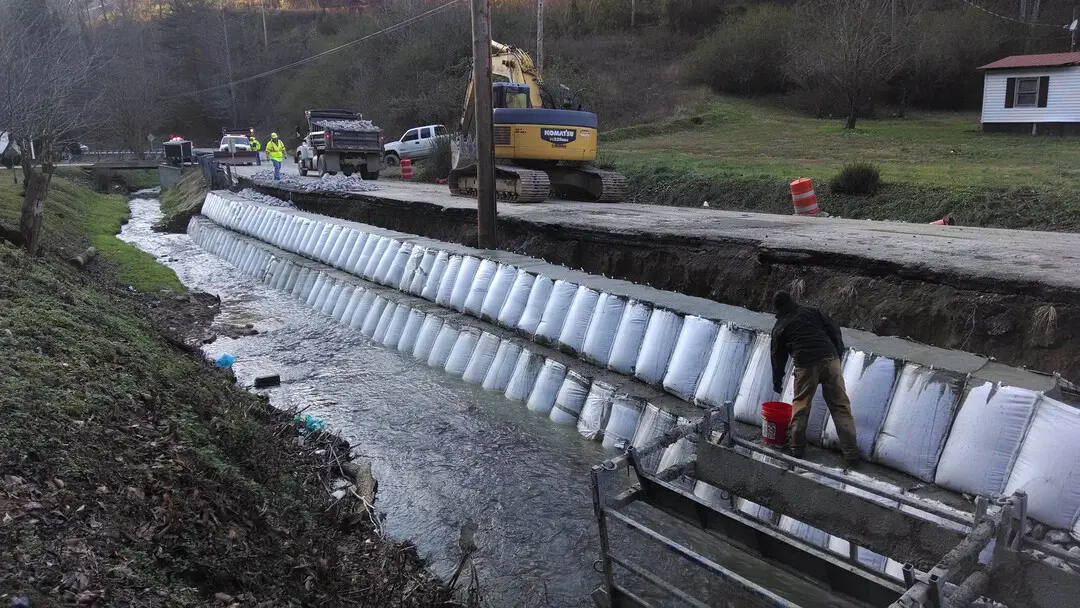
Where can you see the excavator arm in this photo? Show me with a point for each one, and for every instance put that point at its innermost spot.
(511, 63)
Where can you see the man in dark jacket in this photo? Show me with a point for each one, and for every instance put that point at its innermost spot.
(814, 341)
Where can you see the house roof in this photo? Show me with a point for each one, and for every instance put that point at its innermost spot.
(1048, 60)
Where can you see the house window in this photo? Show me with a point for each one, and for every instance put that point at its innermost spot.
(1027, 92)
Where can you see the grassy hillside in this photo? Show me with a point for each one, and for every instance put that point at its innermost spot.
(741, 155)
(76, 217)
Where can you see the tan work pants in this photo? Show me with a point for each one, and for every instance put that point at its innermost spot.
(829, 374)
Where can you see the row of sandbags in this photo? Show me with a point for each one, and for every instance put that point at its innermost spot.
(904, 413)
(598, 410)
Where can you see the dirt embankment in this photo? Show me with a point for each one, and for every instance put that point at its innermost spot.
(136, 474)
(1024, 325)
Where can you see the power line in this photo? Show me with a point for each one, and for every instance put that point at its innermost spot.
(1013, 19)
(299, 62)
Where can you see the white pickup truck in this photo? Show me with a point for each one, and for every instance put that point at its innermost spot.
(416, 143)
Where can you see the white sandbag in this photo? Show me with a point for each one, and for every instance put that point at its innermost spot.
(539, 295)
(324, 252)
(397, 325)
(516, 300)
(755, 388)
(464, 282)
(498, 292)
(678, 453)
(656, 348)
(527, 368)
(713, 496)
(653, 423)
(485, 274)
(985, 438)
(321, 282)
(576, 325)
(558, 307)
(623, 421)
(628, 338)
(482, 358)
(863, 555)
(444, 344)
(354, 253)
(423, 273)
(397, 266)
(1048, 465)
(691, 353)
(595, 412)
(546, 388)
(412, 267)
(429, 332)
(919, 416)
(571, 398)
(435, 276)
(502, 367)
(331, 298)
(869, 380)
(725, 368)
(371, 321)
(412, 329)
(342, 250)
(462, 352)
(377, 256)
(384, 322)
(602, 328)
(366, 254)
(363, 307)
(387, 261)
(449, 277)
(804, 531)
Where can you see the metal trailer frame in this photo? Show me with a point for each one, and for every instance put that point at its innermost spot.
(938, 559)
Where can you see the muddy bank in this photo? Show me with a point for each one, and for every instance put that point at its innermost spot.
(1019, 323)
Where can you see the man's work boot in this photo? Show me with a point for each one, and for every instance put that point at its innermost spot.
(799, 453)
(851, 464)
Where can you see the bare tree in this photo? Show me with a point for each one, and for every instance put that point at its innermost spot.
(46, 97)
(853, 47)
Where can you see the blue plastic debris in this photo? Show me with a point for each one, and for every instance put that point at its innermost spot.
(225, 361)
(310, 423)
(22, 602)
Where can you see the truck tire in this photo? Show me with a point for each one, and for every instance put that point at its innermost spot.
(321, 163)
(369, 175)
(303, 170)
(346, 170)
(391, 160)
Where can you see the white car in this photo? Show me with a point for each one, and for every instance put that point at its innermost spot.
(239, 142)
(416, 143)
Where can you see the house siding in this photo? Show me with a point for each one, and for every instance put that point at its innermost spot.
(1062, 103)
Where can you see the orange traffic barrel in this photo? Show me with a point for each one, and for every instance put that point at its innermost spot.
(406, 168)
(803, 197)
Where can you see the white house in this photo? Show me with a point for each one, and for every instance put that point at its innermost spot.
(1036, 94)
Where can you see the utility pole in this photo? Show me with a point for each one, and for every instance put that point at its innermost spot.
(633, 12)
(228, 66)
(266, 40)
(1074, 25)
(540, 36)
(485, 143)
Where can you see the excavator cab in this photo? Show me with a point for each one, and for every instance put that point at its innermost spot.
(510, 95)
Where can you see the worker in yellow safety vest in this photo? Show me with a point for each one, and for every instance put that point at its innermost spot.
(255, 147)
(275, 151)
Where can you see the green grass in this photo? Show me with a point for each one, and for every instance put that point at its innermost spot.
(737, 152)
(181, 202)
(139, 179)
(76, 216)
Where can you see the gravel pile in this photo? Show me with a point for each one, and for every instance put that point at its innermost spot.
(347, 125)
(334, 184)
(259, 197)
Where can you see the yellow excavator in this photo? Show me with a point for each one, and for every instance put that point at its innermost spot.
(540, 150)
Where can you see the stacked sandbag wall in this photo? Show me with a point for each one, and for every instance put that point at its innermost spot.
(917, 418)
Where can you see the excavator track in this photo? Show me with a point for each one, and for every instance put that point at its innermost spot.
(588, 184)
(512, 184)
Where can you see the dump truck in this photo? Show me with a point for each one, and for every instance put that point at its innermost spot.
(340, 140)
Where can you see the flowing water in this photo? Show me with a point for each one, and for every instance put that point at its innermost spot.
(444, 452)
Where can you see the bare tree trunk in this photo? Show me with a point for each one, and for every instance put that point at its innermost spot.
(853, 111)
(33, 207)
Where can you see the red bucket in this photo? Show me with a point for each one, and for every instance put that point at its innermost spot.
(775, 416)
